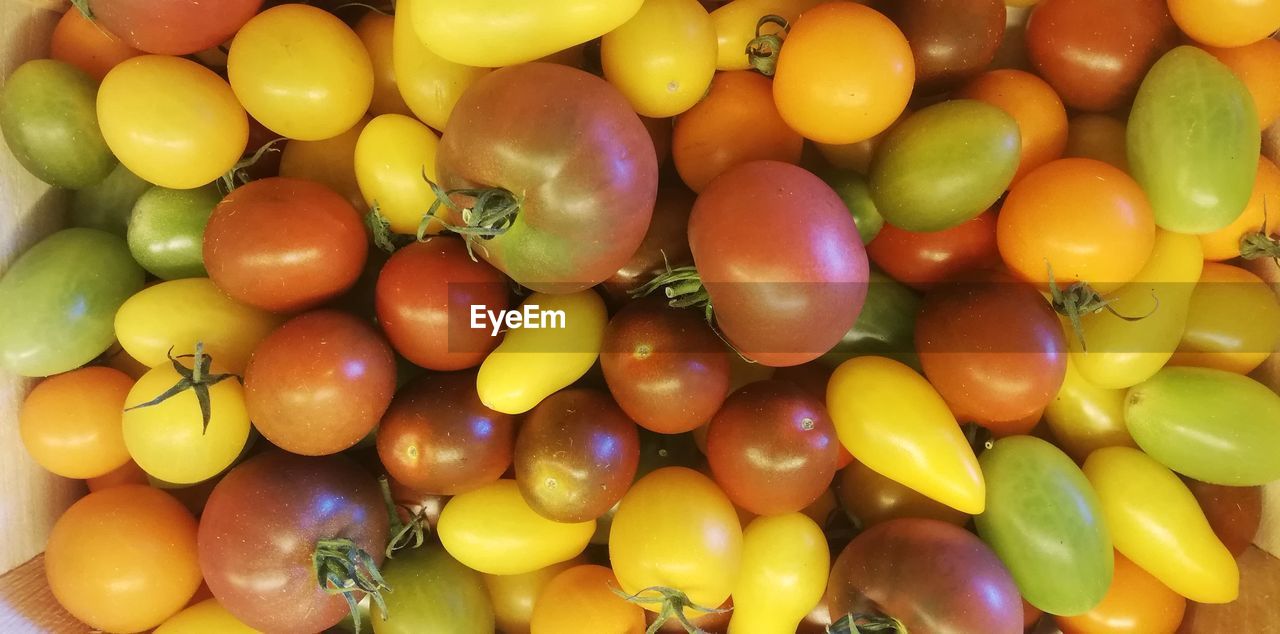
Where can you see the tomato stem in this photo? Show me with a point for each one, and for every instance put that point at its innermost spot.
(380, 230)
(237, 175)
(492, 212)
(403, 533)
(682, 286)
(979, 437)
(674, 603)
(862, 623)
(1259, 245)
(1081, 299)
(83, 7)
(196, 378)
(762, 51)
(343, 568)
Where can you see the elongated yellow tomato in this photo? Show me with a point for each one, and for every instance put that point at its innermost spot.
(393, 155)
(377, 32)
(663, 58)
(894, 422)
(1155, 522)
(493, 530)
(492, 33)
(1123, 353)
(430, 84)
(205, 617)
(1085, 417)
(330, 162)
(1217, 334)
(735, 26)
(785, 562)
(178, 313)
(542, 356)
(676, 529)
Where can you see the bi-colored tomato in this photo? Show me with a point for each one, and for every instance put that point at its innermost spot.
(785, 563)
(70, 423)
(661, 59)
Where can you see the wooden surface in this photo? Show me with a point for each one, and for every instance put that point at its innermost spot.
(28, 606)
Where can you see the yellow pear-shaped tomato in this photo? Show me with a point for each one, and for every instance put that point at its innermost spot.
(663, 58)
(394, 157)
(735, 25)
(894, 422)
(430, 84)
(785, 562)
(493, 530)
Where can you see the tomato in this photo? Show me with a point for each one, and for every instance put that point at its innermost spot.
(581, 599)
(897, 569)
(736, 24)
(735, 123)
(1226, 22)
(331, 162)
(1224, 244)
(166, 230)
(853, 189)
(844, 74)
(171, 121)
(893, 421)
(676, 529)
(48, 121)
(885, 326)
(665, 244)
(394, 158)
(57, 300)
(923, 259)
(1087, 220)
(301, 72)
(784, 573)
(1135, 603)
(205, 617)
(107, 204)
(870, 498)
(376, 31)
(857, 156)
(1041, 117)
(1200, 181)
(532, 363)
(429, 84)
(126, 474)
(1097, 136)
(661, 59)
(472, 34)
(1084, 417)
(1234, 513)
(952, 41)
(432, 592)
(493, 530)
(70, 423)
(173, 27)
(1258, 66)
(514, 596)
(1093, 52)
(944, 165)
(90, 47)
(123, 559)
(1045, 523)
(1215, 336)
(1156, 523)
(289, 518)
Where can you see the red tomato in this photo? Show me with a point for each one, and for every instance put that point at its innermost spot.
(173, 27)
(921, 260)
(88, 46)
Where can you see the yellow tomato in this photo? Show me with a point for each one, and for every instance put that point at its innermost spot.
(533, 363)
(785, 562)
(376, 31)
(429, 84)
(492, 33)
(1156, 522)
(1124, 353)
(513, 596)
(1226, 22)
(301, 72)
(493, 530)
(1084, 417)
(178, 313)
(205, 617)
(676, 529)
(171, 121)
(1217, 334)
(735, 26)
(1224, 244)
(663, 58)
(895, 423)
(331, 162)
(393, 155)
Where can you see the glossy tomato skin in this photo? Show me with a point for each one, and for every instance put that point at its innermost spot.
(951, 40)
(922, 259)
(1136, 603)
(666, 243)
(886, 325)
(662, 58)
(931, 575)
(1215, 336)
(107, 204)
(581, 599)
(70, 423)
(206, 617)
(584, 205)
(1234, 513)
(49, 123)
(424, 299)
(515, 596)
(432, 592)
(870, 498)
(284, 244)
(173, 27)
(166, 230)
(1084, 417)
(782, 298)
(263, 521)
(772, 448)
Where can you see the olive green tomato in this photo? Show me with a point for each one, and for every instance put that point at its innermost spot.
(853, 190)
(106, 205)
(945, 164)
(885, 327)
(432, 592)
(166, 230)
(59, 299)
(1211, 425)
(1193, 142)
(48, 114)
(1045, 523)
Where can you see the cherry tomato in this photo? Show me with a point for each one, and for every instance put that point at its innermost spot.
(661, 59)
(1084, 417)
(205, 617)
(785, 562)
(514, 596)
(736, 25)
(1226, 22)
(432, 592)
(394, 158)
(1215, 336)
(376, 31)
(923, 259)
(166, 230)
(173, 27)
(1135, 603)
(330, 162)
(1224, 244)
(126, 474)
(88, 46)
(1258, 66)
(1041, 117)
(666, 244)
(952, 41)
(429, 84)
(581, 599)
(1099, 137)
(70, 423)
(870, 498)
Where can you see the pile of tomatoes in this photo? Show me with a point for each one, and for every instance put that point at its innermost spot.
(831, 316)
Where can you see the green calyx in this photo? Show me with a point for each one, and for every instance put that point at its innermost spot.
(673, 602)
(344, 569)
(404, 534)
(1080, 299)
(196, 378)
(862, 623)
(762, 51)
(1260, 245)
(380, 231)
(682, 286)
(492, 212)
(238, 174)
(83, 7)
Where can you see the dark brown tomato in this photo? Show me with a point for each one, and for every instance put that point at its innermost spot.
(665, 367)
(260, 531)
(772, 448)
(284, 244)
(319, 383)
(424, 299)
(1095, 52)
(922, 259)
(992, 346)
(951, 40)
(665, 244)
(438, 438)
(1234, 513)
(577, 159)
(934, 577)
(870, 498)
(173, 27)
(781, 261)
(576, 455)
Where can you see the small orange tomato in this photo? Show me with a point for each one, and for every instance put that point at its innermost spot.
(128, 473)
(71, 422)
(375, 30)
(1224, 244)
(1258, 66)
(87, 45)
(1226, 22)
(1135, 603)
(581, 599)
(1031, 101)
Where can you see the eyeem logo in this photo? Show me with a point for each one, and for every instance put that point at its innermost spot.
(529, 316)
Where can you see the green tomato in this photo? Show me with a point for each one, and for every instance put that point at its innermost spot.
(945, 164)
(1044, 521)
(432, 592)
(58, 301)
(885, 327)
(106, 205)
(1193, 142)
(166, 230)
(853, 190)
(48, 114)
(1211, 425)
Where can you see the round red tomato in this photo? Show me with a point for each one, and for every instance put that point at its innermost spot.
(922, 259)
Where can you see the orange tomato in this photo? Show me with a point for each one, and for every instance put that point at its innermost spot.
(1087, 219)
(735, 24)
(331, 162)
(1226, 22)
(1135, 603)
(513, 596)
(1264, 203)
(1216, 335)
(71, 422)
(735, 123)
(844, 74)
(87, 45)
(374, 30)
(1099, 137)
(1031, 101)
(128, 473)
(1258, 66)
(581, 599)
